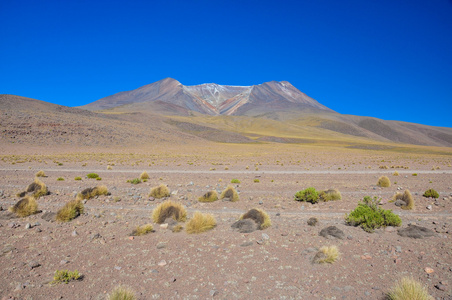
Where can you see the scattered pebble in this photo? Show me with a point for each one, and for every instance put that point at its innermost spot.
(162, 263)
(428, 270)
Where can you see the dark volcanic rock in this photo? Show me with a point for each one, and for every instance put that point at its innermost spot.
(415, 232)
(332, 231)
(245, 226)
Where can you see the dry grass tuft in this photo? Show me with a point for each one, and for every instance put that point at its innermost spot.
(89, 193)
(409, 289)
(144, 175)
(326, 254)
(396, 173)
(259, 216)
(169, 209)
(201, 223)
(210, 196)
(384, 181)
(330, 195)
(142, 230)
(37, 188)
(230, 193)
(405, 197)
(178, 228)
(70, 211)
(122, 293)
(159, 192)
(41, 174)
(25, 207)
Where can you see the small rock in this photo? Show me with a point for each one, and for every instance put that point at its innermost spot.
(174, 193)
(13, 225)
(161, 245)
(64, 262)
(441, 287)
(151, 198)
(213, 293)
(349, 237)
(95, 236)
(38, 229)
(34, 264)
(162, 263)
(398, 249)
(415, 232)
(131, 238)
(74, 233)
(245, 226)
(265, 236)
(332, 231)
(313, 221)
(246, 244)
(261, 202)
(260, 242)
(428, 270)
(429, 207)
(400, 203)
(117, 268)
(390, 229)
(28, 226)
(164, 225)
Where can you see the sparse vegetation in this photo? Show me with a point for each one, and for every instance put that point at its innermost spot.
(256, 180)
(159, 192)
(60, 179)
(235, 181)
(431, 193)
(230, 193)
(142, 230)
(200, 223)
(178, 228)
(122, 293)
(169, 209)
(395, 173)
(98, 178)
(144, 175)
(409, 289)
(89, 193)
(78, 178)
(330, 195)
(259, 216)
(307, 195)
(369, 216)
(37, 188)
(405, 197)
(210, 196)
(384, 181)
(92, 175)
(326, 254)
(414, 174)
(65, 276)
(41, 174)
(25, 207)
(70, 211)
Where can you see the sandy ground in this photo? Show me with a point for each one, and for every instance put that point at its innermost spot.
(275, 263)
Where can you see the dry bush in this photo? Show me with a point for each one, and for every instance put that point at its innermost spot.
(25, 207)
(210, 196)
(384, 181)
(41, 174)
(177, 228)
(405, 197)
(144, 175)
(160, 191)
(201, 223)
(169, 209)
(330, 195)
(326, 254)
(37, 188)
(230, 193)
(89, 193)
(409, 289)
(259, 216)
(142, 230)
(122, 293)
(70, 211)
(396, 173)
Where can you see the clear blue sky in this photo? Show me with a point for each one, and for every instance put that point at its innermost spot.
(390, 59)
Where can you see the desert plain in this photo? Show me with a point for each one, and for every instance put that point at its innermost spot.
(274, 263)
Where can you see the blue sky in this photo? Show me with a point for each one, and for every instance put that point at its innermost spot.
(390, 59)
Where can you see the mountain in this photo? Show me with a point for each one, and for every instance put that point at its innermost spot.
(210, 98)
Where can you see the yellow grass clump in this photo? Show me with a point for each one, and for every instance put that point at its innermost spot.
(396, 173)
(142, 230)
(41, 174)
(169, 209)
(409, 289)
(37, 188)
(122, 293)
(230, 193)
(201, 223)
(144, 175)
(70, 211)
(160, 191)
(259, 216)
(210, 196)
(89, 193)
(25, 207)
(384, 181)
(327, 254)
(330, 195)
(406, 197)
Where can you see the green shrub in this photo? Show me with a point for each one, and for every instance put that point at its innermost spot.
(98, 178)
(92, 175)
(134, 181)
(78, 178)
(65, 276)
(256, 180)
(308, 195)
(369, 216)
(235, 181)
(414, 174)
(60, 179)
(431, 193)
